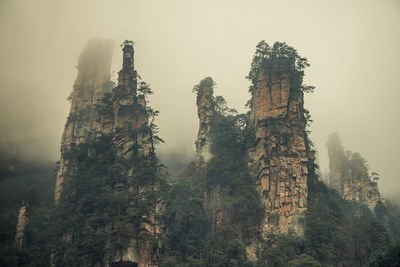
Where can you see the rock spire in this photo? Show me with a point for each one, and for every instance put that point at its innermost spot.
(349, 175)
(205, 111)
(122, 117)
(23, 220)
(92, 81)
(280, 158)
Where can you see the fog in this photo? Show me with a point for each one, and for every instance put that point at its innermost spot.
(352, 46)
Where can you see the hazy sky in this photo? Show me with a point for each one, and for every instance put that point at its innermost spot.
(353, 48)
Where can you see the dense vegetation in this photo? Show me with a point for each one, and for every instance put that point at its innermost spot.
(337, 232)
(192, 237)
(266, 56)
(92, 201)
(280, 56)
(210, 214)
(109, 194)
(349, 163)
(31, 180)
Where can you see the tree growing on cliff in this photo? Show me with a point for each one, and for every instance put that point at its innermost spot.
(93, 200)
(266, 55)
(144, 89)
(207, 82)
(280, 53)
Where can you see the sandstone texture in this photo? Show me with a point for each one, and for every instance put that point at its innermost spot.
(280, 158)
(205, 111)
(349, 175)
(92, 81)
(123, 115)
(23, 220)
(127, 123)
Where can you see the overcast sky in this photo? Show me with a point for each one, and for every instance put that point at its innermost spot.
(352, 46)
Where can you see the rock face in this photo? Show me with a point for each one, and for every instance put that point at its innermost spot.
(123, 115)
(92, 82)
(349, 175)
(127, 122)
(205, 111)
(280, 158)
(23, 220)
(128, 112)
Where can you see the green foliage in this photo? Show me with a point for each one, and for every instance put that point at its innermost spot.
(279, 54)
(152, 129)
(388, 256)
(337, 233)
(105, 106)
(340, 232)
(185, 241)
(389, 215)
(227, 138)
(228, 169)
(23, 179)
(307, 118)
(233, 254)
(190, 241)
(92, 200)
(97, 204)
(348, 162)
(307, 88)
(38, 249)
(144, 89)
(84, 208)
(304, 260)
(220, 106)
(278, 250)
(106, 196)
(207, 82)
(127, 43)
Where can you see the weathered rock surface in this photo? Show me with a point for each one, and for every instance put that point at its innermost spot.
(92, 82)
(126, 123)
(349, 175)
(126, 115)
(23, 220)
(205, 111)
(123, 115)
(280, 158)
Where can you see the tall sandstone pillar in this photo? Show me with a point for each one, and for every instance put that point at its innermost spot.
(22, 223)
(128, 112)
(122, 114)
(205, 111)
(280, 158)
(349, 175)
(92, 81)
(127, 122)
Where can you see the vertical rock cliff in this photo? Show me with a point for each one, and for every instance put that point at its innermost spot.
(23, 220)
(133, 139)
(125, 115)
(205, 111)
(92, 81)
(231, 201)
(108, 172)
(279, 158)
(349, 174)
